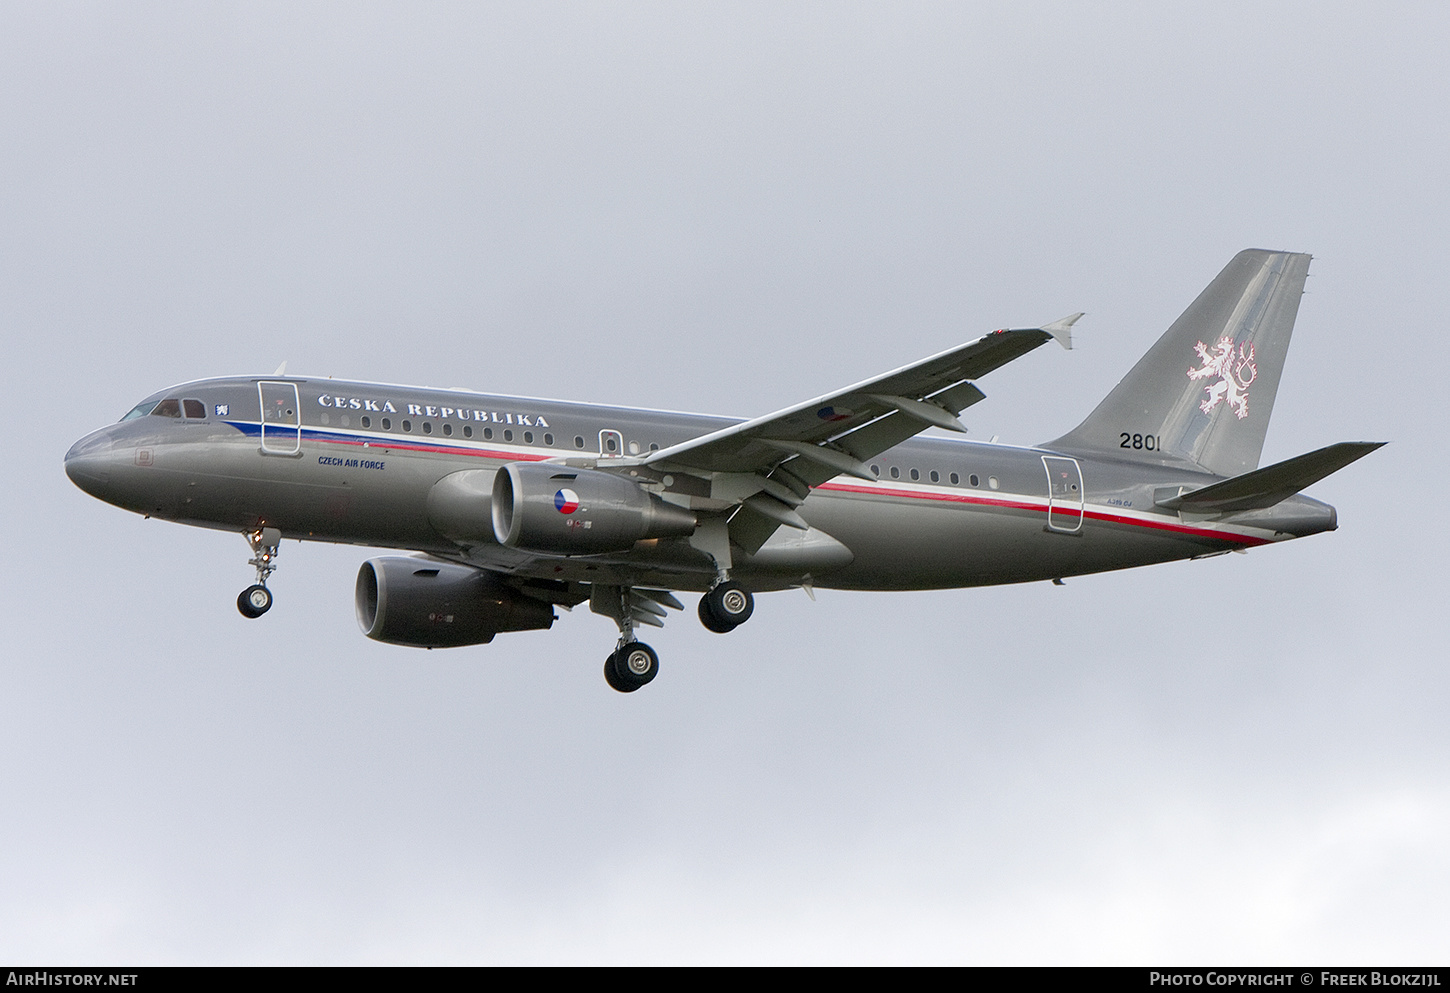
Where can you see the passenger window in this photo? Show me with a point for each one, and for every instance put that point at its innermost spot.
(974, 480)
(387, 424)
(427, 427)
(194, 408)
(407, 425)
(169, 407)
(488, 434)
(468, 430)
(549, 440)
(956, 479)
(578, 441)
(448, 430)
(915, 474)
(508, 434)
(935, 476)
(876, 470)
(895, 473)
(528, 437)
(367, 421)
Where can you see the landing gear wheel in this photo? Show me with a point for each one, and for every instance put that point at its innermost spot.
(631, 666)
(613, 680)
(708, 619)
(725, 608)
(254, 601)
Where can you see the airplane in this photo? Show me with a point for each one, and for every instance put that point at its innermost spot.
(511, 506)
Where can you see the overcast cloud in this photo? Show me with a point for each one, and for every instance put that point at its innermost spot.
(725, 208)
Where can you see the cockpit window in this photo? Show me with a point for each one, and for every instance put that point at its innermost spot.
(170, 407)
(140, 410)
(194, 408)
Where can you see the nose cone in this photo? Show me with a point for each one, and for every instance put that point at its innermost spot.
(88, 463)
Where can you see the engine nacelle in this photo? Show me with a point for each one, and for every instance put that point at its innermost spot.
(423, 603)
(552, 508)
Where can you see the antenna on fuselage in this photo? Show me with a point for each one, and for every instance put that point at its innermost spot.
(281, 369)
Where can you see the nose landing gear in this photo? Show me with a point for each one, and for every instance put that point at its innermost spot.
(256, 600)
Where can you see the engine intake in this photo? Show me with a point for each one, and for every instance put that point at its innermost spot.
(424, 603)
(550, 508)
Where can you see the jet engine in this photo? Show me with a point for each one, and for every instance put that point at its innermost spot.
(423, 603)
(551, 508)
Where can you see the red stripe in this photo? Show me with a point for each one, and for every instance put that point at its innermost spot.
(1242, 539)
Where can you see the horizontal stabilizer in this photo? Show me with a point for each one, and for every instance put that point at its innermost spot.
(1271, 484)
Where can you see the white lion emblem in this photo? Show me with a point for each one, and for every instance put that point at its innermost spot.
(1235, 370)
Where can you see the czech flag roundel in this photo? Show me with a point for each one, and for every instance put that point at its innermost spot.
(567, 501)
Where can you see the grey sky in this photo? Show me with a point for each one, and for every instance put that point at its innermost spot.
(725, 208)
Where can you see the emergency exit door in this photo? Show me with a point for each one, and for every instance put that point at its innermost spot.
(1064, 494)
(281, 418)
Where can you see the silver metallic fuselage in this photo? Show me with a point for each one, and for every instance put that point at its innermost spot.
(361, 463)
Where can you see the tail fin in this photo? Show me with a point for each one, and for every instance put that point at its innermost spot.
(1205, 390)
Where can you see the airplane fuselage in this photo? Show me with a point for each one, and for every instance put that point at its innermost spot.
(361, 463)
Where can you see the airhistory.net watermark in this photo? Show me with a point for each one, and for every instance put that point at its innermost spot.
(37, 977)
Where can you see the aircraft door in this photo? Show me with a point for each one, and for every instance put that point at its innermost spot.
(611, 444)
(281, 418)
(1064, 494)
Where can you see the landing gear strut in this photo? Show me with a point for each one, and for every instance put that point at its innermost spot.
(726, 607)
(256, 600)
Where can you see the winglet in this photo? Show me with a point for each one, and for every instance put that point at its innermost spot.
(1062, 330)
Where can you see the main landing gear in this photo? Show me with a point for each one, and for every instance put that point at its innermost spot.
(632, 663)
(726, 607)
(630, 666)
(256, 600)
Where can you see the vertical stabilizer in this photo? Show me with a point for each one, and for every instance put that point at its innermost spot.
(1205, 390)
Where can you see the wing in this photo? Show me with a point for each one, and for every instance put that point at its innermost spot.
(769, 464)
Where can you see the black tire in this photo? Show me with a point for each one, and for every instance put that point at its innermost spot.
(254, 601)
(613, 680)
(728, 605)
(634, 665)
(708, 619)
